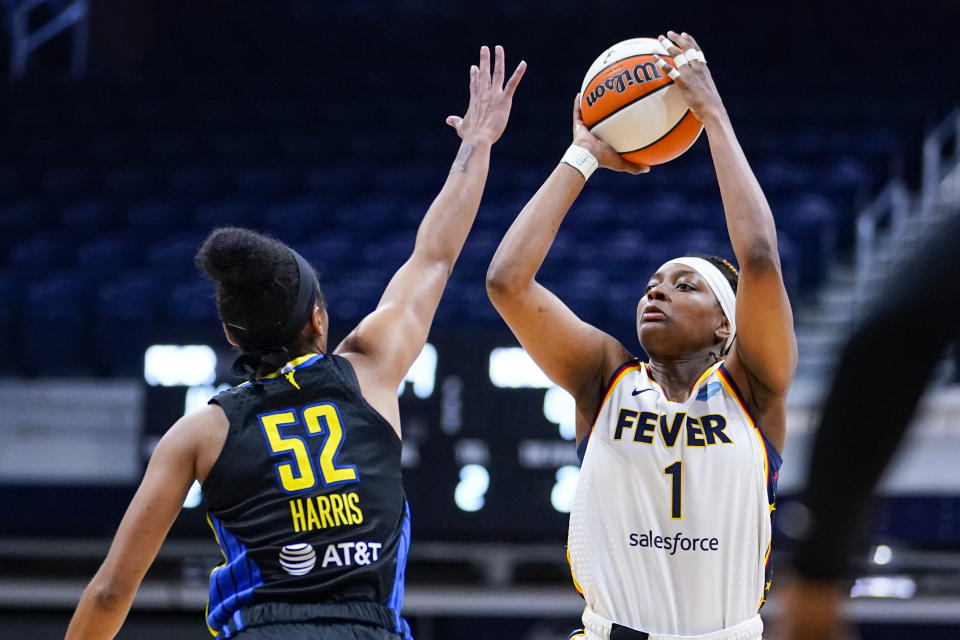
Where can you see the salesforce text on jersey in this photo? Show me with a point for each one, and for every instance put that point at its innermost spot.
(679, 542)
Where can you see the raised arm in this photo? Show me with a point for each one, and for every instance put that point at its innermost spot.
(385, 343)
(765, 351)
(574, 354)
(173, 466)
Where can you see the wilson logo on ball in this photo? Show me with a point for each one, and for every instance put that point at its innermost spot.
(619, 81)
(627, 102)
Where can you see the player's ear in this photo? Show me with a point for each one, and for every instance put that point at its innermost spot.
(319, 322)
(722, 332)
(230, 338)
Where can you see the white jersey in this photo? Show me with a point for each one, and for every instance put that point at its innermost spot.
(670, 527)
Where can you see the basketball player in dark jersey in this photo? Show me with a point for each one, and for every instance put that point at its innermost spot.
(300, 466)
(860, 435)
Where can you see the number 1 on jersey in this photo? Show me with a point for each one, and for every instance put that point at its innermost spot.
(675, 496)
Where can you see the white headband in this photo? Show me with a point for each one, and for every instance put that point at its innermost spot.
(720, 286)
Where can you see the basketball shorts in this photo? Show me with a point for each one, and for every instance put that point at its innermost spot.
(321, 621)
(301, 631)
(596, 627)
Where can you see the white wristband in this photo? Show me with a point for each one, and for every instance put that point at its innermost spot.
(581, 160)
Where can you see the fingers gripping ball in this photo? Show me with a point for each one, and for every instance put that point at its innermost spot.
(632, 105)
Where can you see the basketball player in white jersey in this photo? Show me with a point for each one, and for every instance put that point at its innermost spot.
(670, 528)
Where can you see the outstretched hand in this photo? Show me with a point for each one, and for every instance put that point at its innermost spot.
(490, 100)
(606, 156)
(691, 75)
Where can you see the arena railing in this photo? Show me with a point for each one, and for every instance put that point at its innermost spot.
(65, 16)
(940, 159)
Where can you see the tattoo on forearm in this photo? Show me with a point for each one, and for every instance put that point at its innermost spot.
(462, 159)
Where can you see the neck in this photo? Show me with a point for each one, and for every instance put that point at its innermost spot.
(677, 375)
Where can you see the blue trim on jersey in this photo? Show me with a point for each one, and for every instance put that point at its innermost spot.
(231, 584)
(582, 449)
(396, 597)
(276, 374)
(237, 620)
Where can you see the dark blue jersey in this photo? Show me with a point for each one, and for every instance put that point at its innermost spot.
(306, 499)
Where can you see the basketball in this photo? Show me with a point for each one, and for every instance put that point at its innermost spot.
(627, 102)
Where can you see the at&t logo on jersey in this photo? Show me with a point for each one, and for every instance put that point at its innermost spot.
(347, 554)
(298, 559)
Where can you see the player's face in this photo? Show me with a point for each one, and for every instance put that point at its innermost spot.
(679, 315)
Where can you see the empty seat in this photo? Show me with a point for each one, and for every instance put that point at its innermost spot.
(136, 180)
(71, 180)
(53, 336)
(299, 219)
(19, 219)
(269, 181)
(108, 255)
(203, 179)
(156, 216)
(333, 253)
(191, 301)
(234, 211)
(174, 254)
(11, 293)
(85, 217)
(39, 255)
(124, 317)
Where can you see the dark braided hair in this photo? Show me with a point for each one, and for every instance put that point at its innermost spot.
(726, 268)
(257, 281)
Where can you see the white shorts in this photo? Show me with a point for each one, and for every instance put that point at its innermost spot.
(596, 627)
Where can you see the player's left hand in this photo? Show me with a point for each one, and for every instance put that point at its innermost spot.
(490, 99)
(691, 75)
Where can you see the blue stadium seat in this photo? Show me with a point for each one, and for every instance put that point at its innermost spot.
(811, 224)
(338, 180)
(155, 217)
(595, 212)
(269, 181)
(410, 180)
(203, 180)
(368, 217)
(53, 336)
(10, 181)
(620, 249)
(780, 175)
(235, 211)
(125, 313)
(191, 301)
(72, 180)
(11, 293)
(173, 255)
(20, 218)
(108, 255)
(355, 295)
(303, 145)
(388, 251)
(132, 180)
(109, 148)
(86, 217)
(299, 218)
(477, 251)
(332, 253)
(173, 147)
(39, 255)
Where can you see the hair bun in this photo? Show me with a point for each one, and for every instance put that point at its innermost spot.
(235, 257)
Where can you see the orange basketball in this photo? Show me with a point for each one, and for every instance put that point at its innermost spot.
(630, 104)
